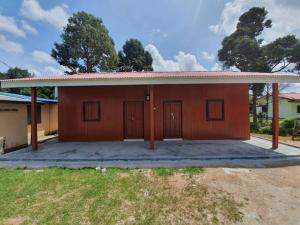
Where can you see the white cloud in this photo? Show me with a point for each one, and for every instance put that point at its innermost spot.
(26, 27)
(181, 62)
(11, 46)
(56, 16)
(50, 70)
(47, 70)
(284, 14)
(8, 24)
(32, 70)
(208, 56)
(42, 57)
(216, 67)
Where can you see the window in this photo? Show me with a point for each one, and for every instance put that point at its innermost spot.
(38, 114)
(215, 109)
(91, 111)
(298, 108)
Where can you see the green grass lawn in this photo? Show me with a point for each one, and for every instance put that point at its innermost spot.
(87, 196)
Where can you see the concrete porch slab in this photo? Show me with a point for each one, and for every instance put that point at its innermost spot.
(230, 153)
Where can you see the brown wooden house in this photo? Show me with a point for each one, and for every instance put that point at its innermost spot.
(154, 105)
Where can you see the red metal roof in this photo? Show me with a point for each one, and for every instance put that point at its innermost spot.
(148, 78)
(291, 96)
(154, 75)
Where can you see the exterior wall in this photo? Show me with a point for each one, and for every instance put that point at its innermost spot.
(286, 109)
(193, 97)
(49, 120)
(13, 125)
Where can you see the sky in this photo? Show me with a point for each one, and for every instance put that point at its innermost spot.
(179, 34)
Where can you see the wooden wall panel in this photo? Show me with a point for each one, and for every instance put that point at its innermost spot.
(193, 98)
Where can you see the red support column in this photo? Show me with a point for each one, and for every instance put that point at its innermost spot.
(275, 121)
(33, 120)
(151, 117)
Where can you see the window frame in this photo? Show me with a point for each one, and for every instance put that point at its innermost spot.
(208, 118)
(98, 111)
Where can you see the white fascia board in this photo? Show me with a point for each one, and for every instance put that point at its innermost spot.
(104, 82)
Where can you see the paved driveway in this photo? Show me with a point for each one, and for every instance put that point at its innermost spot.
(252, 153)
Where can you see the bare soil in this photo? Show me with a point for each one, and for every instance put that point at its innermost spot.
(272, 195)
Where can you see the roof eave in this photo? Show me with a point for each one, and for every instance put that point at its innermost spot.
(146, 81)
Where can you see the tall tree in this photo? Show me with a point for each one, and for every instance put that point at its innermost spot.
(134, 57)
(244, 50)
(86, 45)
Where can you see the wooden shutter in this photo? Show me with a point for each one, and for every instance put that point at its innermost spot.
(215, 109)
(91, 111)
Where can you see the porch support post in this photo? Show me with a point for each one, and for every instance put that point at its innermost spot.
(275, 120)
(151, 117)
(33, 120)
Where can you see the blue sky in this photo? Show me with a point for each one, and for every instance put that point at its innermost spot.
(180, 34)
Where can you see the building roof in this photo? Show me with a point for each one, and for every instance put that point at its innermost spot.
(148, 78)
(9, 97)
(293, 97)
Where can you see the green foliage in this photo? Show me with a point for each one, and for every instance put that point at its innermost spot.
(2, 76)
(283, 132)
(265, 130)
(192, 170)
(283, 51)
(171, 171)
(253, 22)
(133, 57)
(165, 171)
(286, 127)
(42, 92)
(244, 50)
(86, 45)
(14, 73)
(254, 127)
(86, 196)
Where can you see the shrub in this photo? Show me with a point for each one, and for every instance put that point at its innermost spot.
(283, 132)
(265, 130)
(254, 128)
(286, 126)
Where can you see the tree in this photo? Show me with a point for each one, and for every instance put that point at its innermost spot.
(14, 73)
(244, 50)
(42, 92)
(86, 45)
(2, 76)
(133, 57)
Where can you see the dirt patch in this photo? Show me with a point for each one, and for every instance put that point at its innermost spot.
(16, 220)
(272, 195)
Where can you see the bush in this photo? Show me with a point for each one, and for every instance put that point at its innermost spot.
(283, 132)
(254, 128)
(286, 126)
(265, 130)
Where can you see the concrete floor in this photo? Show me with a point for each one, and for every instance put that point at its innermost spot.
(232, 153)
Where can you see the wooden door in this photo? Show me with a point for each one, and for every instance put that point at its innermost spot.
(172, 119)
(133, 120)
